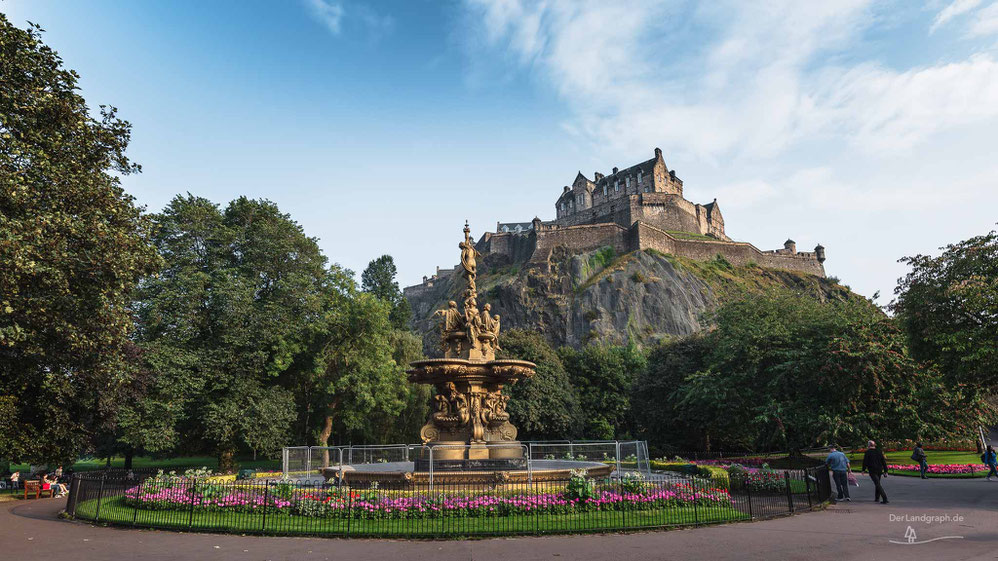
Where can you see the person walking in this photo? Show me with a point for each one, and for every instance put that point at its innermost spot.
(839, 464)
(991, 460)
(875, 463)
(919, 456)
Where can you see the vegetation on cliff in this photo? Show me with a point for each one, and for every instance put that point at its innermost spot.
(640, 297)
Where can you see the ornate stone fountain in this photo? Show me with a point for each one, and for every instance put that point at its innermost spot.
(469, 427)
(468, 436)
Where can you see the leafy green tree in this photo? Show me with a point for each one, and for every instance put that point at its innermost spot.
(73, 245)
(604, 376)
(657, 415)
(404, 426)
(378, 279)
(546, 405)
(948, 306)
(357, 378)
(229, 318)
(786, 372)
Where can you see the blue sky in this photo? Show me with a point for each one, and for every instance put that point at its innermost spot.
(382, 126)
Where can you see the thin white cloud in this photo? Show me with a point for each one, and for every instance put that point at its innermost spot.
(985, 21)
(883, 109)
(952, 10)
(328, 13)
(332, 14)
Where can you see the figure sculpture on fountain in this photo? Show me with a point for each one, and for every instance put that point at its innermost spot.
(470, 408)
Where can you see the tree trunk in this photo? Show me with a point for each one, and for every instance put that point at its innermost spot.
(227, 460)
(327, 431)
(129, 453)
(107, 464)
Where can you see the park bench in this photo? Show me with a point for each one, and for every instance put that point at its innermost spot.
(36, 488)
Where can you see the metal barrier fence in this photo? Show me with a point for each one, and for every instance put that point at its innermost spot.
(307, 462)
(470, 508)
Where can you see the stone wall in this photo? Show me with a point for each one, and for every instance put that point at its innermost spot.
(647, 236)
(579, 238)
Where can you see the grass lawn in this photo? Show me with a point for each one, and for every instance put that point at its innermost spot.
(115, 511)
(934, 457)
(141, 462)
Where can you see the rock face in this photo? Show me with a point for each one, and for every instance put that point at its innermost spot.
(600, 296)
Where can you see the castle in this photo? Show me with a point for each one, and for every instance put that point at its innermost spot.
(637, 208)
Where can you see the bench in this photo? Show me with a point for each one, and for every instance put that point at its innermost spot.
(36, 488)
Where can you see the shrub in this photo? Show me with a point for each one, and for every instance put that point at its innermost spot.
(633, 482)
(580, 487)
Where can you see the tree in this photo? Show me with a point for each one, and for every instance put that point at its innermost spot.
(73, 246)
(357, 378)
(948, 306)
(404, 426)
(654, 403)
(378, 279)
(786, 372)
(546, 405)
(226, 322)
(604, 376)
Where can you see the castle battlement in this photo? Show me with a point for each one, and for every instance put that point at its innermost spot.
(637, 208)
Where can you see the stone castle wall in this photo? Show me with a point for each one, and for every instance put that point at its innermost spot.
(536, 247)
(647, 236)
(579, 239)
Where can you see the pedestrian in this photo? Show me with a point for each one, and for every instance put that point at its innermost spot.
(875, 463)
(991, 460)
(919, 456)
(15, 479)
(839, 464)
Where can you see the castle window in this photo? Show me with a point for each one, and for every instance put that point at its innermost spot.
(639, 179)
(627, 182)
(604, 189)
(616, 185)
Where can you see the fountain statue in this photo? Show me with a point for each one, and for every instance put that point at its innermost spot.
(469, 427)
(468, 435)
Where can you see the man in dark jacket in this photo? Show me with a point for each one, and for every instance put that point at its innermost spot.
(875, 462)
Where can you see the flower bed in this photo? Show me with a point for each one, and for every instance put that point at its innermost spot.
(940, 469)
(335, 503)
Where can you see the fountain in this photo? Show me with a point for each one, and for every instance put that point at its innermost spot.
(469, 431)
(470, 427)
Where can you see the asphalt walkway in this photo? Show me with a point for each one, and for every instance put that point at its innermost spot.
(949, 519)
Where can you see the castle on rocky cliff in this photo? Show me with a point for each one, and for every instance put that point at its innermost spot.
(637, 208)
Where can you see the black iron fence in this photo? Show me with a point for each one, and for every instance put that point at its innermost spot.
(489, 505)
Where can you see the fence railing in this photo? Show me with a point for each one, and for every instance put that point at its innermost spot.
(307, 462)
(474, 508)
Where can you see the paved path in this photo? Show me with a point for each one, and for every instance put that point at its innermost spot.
(858, 530)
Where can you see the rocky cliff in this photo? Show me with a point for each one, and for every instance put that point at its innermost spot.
(641, 296)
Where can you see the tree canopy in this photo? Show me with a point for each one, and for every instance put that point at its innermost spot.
(948, 306)
(545, 406)
(73, 245)
(785, 372)
(378, 279)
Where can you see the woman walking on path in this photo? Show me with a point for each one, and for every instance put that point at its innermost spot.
(991, 460)
(919, 456)
(875, 462)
